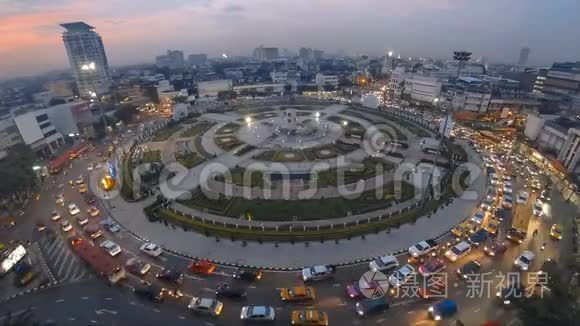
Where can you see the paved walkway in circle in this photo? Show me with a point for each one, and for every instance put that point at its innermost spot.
(131, 216)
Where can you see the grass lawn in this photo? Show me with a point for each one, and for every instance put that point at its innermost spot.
(164, 133)
(190, 160)
(228, 143)
(256, 178)
(228, 128)
(282, 156)
(285, 210)
(369, 168)
(197, 129)
(151, 156)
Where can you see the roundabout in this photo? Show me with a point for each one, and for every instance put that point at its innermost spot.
(308, 182)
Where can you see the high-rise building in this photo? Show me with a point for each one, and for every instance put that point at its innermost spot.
(173, 59)
(87, 58)
(524, 54)
(265, 54)
(197, 59)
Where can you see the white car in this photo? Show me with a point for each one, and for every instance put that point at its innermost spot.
(73, 209)
(478, 217)
(538, 211)
(55, 216)
(151, 249)
(98, 166)
(90, 167)
(111, 248)
(423, 248)
(206, 306)
(459, 250)
(522, 197)
(524, 260)
(258, 313)
(65, 225)
(316, 273)
(82, 220)
(384, 264)
(401, 275)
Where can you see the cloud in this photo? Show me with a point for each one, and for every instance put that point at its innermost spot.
(233, 8)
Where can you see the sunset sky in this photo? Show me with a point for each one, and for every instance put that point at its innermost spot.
(134, 31)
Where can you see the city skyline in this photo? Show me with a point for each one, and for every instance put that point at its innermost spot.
(431, 29)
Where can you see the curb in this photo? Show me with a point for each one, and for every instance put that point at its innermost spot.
(29, 291)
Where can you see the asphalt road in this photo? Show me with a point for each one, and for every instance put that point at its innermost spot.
(89, 301)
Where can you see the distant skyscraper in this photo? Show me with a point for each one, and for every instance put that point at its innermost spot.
(524, 54)
(87, 58)
(266, 54)
(173, 59)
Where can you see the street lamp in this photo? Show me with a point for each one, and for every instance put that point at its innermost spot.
(390, 53)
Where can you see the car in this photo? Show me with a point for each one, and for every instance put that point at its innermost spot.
(507, 202)
(507, 190)
(60, 199)
(459, 250)
(93, 211)
(478, 237)
(401, 275)
(355, 290)
(523, 197)
(24, 274)
(556, 231)
(496, 248)
(515, 235)
(371, 307)
(136, 266)
(317, 273)
(492, 226)
(80, 180)
(170, 276)
(478, 217)
(65, 225)
(423, 248)
(55, 216)
(151, 249)
(40, 227)
(93, 231)
(471, 268)
(150, 292)
(73, 209)
(83, 189)
(537, 209)
(309, 317)
(487, 204)
(298, 294)
(206, 306)
(90, 167)
(203, 266)
(111, 248)
(524, 260)
(442, 309)
(226, 291)
(110, 225)
(82, 220)
(511, 293)
(90, 199)
(258, 313)
(435, 287)
(98, 165)
(432, 266)
(247, 274)
(384, 264)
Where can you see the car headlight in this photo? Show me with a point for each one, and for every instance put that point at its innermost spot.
(516, 261)
(430, 309)
(437, 317)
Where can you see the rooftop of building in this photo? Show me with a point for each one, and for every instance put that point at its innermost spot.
(77, 27)
(563, 124)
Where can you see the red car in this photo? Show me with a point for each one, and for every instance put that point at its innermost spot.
(431, 266)
(496, 248)
(202, 267)
(354, 290)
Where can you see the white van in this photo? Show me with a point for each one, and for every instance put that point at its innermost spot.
(384, 264)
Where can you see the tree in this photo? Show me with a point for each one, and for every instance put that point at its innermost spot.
(18, 178)
(558, 306)
(126, 112)
(179, 99)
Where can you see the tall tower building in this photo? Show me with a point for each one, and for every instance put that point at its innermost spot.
(524, 54)
(87, 58)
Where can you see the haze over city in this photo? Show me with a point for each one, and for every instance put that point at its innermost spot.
(136, 30)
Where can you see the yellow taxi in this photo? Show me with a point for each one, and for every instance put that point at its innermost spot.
(299, 294)
(83, 189)
(556, 231)
(309, 317)
(464, 229)
(493, 226)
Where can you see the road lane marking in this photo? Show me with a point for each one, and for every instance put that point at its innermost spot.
(209, 324)
(194, 277)
(336, 285)
(181, 317)
(109, 299)
(59, 300)
(156, 310)
(380, 320)
(208, 289)
(251, 287)
(71, 270)
(477, 310)
(64, 263)
(84, 298)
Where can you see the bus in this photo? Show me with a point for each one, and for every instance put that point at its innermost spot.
(58, 163)
(98, 260)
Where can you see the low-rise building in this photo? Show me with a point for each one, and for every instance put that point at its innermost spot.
(323, 80)
(213, 87)
(38, 132)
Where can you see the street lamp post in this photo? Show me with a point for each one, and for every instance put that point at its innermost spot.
(91, 67)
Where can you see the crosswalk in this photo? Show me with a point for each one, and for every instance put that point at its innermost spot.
(64, 264)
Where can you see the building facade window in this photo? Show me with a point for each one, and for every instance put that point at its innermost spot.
(50, 133)
(41, 118)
